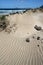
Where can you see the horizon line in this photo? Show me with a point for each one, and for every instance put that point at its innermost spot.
(17, 8)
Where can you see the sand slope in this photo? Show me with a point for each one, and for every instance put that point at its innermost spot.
(14, 50)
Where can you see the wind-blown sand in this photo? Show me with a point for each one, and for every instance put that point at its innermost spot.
(14, 50)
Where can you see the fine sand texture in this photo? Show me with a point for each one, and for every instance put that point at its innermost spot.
(21, 43)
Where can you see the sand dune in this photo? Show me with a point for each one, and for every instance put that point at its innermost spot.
(14, 49)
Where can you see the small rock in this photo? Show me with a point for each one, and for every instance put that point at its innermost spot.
(38, 45)
(27, 40)
(38, 38)
(38, 28)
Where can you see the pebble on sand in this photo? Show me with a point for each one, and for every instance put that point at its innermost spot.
(27, 40)
(38, 28)
(38, 38)
(38, 45)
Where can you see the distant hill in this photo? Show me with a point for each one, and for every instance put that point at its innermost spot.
(41, 6)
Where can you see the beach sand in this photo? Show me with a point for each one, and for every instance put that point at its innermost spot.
(14, 49)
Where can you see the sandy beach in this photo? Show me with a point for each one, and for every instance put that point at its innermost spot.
(15, 49)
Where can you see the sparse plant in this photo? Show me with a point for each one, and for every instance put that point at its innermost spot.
(3, 22)
(2, 17)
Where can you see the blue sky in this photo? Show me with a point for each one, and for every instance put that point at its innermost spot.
(20, 3)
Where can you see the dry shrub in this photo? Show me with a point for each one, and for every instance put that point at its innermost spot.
(3, 23)
(8, 30)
